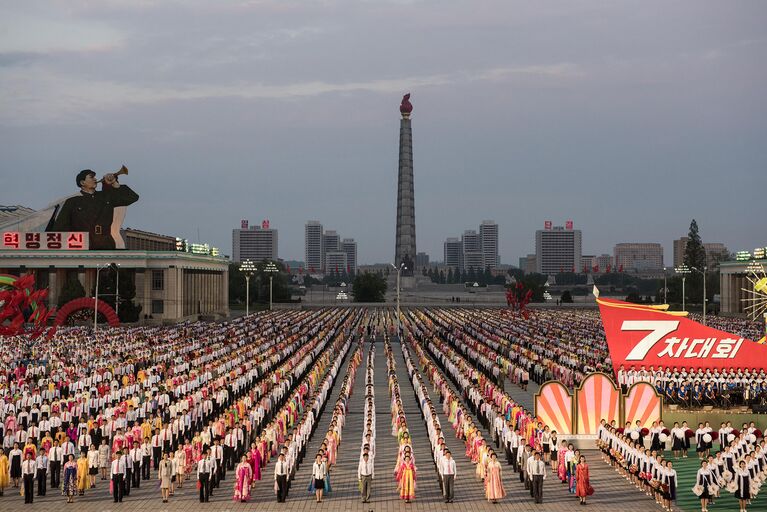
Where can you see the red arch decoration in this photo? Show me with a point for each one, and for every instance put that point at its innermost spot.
(86, 303)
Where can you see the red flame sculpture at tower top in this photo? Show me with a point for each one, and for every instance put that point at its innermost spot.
(406, 107)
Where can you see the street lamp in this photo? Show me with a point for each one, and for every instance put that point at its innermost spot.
(399, 271)
(116, 268)
(271, 268)
(99, 268)
(248, 268)
(665, 287)
(684, 270)
(705, 300)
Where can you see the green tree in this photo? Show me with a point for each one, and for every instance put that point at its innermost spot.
(71, 290)
(369, 288)
(459, 277)
(566, 297)
(694, 258)
(450, 275)
(694, 252)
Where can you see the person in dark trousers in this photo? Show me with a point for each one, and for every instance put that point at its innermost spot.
(537, 472)
(28, 472)
(204, 469)
(281, 477)
(117, 474)
(448, 476)
(42, 473)
(55, 457)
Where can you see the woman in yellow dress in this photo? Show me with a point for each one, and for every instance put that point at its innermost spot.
(406, 480)
(5, 468)
(481, 470)
(82, 474)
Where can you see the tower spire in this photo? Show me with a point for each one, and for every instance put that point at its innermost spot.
(405, 250)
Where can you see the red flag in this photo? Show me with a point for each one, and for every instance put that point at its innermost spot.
(573, 271)
(312, 268)
(608, 268)
(596, 268)
(620, 269)
(300, 270)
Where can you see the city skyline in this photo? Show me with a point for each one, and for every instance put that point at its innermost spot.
(267, 119)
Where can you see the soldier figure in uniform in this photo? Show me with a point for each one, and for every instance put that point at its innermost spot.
(93, 210)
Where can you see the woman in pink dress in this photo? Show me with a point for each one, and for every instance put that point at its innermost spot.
(494, 490)
(562, 469)
(189, 456)
(243, 478)
(256, 462)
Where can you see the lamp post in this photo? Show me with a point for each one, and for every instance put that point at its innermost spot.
(271, 268)
(684, 270)
(248, 268)
(705, 300)
(99, 268)
(399, 271)
(116, 267)
(665, 287)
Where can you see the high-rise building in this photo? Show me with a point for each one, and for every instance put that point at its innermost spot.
(421, 260)
(557, 249)
(587, 262)
(349, 246)
(256, 243)
(488, 234)
(527, 263)
(472, 250)
(331, 242)
(715, 252)
(638, 256)
(603, 262)
(453, 253)
(405, 248)
(313, 253)
(679, 247)
(335, 262)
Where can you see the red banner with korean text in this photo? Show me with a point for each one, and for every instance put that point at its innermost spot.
(641, 335)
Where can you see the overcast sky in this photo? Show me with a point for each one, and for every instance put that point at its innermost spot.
(630, 118)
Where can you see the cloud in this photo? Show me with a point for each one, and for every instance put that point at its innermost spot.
(35, 95)
(26, 33)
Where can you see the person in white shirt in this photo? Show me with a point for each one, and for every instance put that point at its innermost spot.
(537, 471)
(205, 468)
(365, 475)
(281, 478)
(28, 473)
(117, 473)
(447, 471)
(319, 471)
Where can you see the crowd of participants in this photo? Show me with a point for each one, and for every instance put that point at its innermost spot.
(185, 402)
(738, 467)
(570, 345)
(695, 388)
(513, 427)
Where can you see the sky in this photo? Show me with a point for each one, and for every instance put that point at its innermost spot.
(630, 117)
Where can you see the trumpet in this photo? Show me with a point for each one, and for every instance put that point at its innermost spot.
(123, 170)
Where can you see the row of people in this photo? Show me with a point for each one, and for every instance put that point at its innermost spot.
(327, 455)
(405, 470)
(488, 468)
(366, 464)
